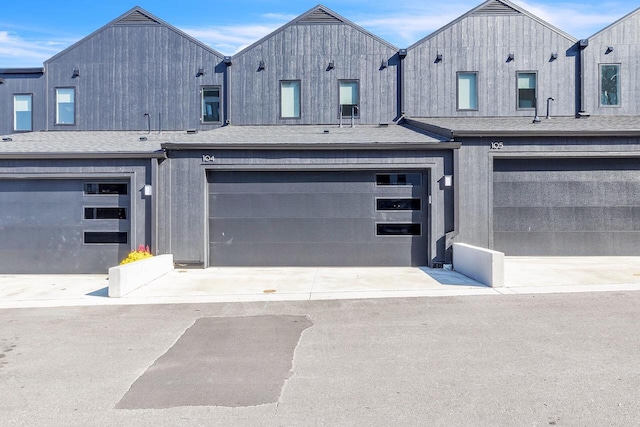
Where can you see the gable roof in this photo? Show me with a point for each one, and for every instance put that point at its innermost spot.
(317, 15)
(496, 8)
(618, 22)
(136, 16)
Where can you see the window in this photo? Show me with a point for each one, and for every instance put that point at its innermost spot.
(399, 179)
(402, 229)
(527, 90)
(290, 99)
(96, 237)
(105, 188)
(66, 106)
(105, 213)
(412, 204)
(467, 91)
(349, 98)
(22, 112)
(610, 85)
(210, 104)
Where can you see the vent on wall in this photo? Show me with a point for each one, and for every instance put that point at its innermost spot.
(496, 8)
(319, 16)
(136, 18)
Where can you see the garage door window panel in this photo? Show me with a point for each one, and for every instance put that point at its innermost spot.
(398, 229)
(105, 213)
(106, 188)
(105, 237)
(408, 179)
(398, 204)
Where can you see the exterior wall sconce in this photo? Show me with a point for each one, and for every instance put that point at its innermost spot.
(384, 64)
(147, 190)
(438, 58)
(331, 65)
(261, 66)
(76, 73)
(1, 80)
(227, 60)
(511, 57)
(609, 50)
(448, 180)
(554, 56)
(200, 72)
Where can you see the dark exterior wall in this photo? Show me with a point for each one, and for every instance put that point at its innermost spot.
(21, 84)
(303, 52)
(138, 171)
(623, 37)
(183, 183)
(475, 184)
(482, 43)
(129, 70)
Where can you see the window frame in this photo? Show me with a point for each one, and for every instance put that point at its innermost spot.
(618, 86)
(201, 98)
(357, 104)
(299, 82)
(535, 94)
(30, 95)
(57, 106)
(458, 74)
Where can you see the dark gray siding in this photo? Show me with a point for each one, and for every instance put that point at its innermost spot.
(303, 52)
(623, 37)
(481, 43)
(184, 202)
(135, 171)
(129, 70)
(21, 84)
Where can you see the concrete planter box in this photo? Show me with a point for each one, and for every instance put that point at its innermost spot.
(129, 277)
(484, 265)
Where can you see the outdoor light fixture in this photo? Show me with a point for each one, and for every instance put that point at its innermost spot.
(438, 57)
(511, 57)
(554, 56)
(227, 60)
(384, 64)
(609, 50)
(147, 190)
(448, 180)
(200, 72)
(331, 66)
(402, 53)
(76, 73)
(1, 80)
(261, 66)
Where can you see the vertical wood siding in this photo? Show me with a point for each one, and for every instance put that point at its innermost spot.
(127, 71)
(481, 43)
(21, 83)
(303, 52)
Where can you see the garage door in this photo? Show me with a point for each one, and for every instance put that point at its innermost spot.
(338, 218)
(63, 226)
(567, 207)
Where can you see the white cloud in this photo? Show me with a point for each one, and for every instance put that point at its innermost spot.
(18, 52)
(230, 39)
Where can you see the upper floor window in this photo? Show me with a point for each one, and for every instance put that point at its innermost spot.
(65, 106)
(349, 98)
(290, 99)
(527, 90)
(22, 113)
(210, 104)
(467, 91)
(610, 85)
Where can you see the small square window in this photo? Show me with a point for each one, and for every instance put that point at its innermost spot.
(210, 104)
(527, 90)
(349, 98)
(467, 91)
(610, 85)
(290, 99)
(65, 106)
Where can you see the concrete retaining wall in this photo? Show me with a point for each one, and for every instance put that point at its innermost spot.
(129, 277)
(484, 265)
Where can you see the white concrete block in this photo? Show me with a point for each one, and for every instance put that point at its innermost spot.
(124, 279)
(484, 265)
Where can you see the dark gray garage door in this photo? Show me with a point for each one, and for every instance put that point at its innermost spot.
(63, 226)
(574, 207)
(337, 218)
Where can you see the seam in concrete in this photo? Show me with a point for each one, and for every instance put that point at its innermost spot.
(293, 361)
(152, 363)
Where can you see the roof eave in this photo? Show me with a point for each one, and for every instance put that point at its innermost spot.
(173, 146)
(82, 155)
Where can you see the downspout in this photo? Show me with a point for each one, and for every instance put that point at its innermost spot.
(226, 105)
(451, 235)
(402, 53)
(582, 45)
